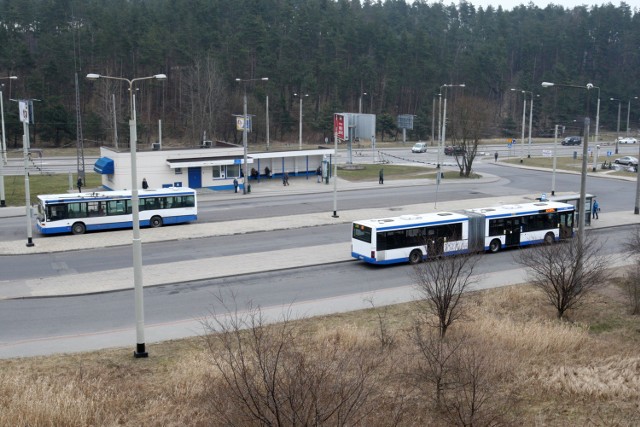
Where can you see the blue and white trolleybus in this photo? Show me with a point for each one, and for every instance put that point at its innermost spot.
(106, 210)
(413, 238)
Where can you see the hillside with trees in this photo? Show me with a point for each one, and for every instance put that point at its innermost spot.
(399, 53)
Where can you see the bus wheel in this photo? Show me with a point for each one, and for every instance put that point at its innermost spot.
(415, 256)
(549, 238)
(156, 221)
(494, 246)
(78, 228)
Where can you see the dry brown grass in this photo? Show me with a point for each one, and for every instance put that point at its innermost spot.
(543, 372)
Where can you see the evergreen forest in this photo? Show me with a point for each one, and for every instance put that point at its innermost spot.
(385, 57)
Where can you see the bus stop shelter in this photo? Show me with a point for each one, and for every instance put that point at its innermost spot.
(574, 199)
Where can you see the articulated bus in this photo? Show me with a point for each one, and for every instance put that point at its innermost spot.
(409, 238)
(106, 210)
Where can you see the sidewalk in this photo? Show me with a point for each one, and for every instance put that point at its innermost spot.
(217, 267)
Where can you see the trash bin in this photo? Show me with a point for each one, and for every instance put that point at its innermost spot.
(575, 155)
(248, 188)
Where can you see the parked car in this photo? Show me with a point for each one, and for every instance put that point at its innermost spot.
(572, 140)
(419, 147)
(627, 140)
(627, 160)
(454, 150)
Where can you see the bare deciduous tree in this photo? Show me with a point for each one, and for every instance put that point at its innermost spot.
(633, 242)
(442, 281)
(631, 287)
(204, 99)
(472, 399)
(276, 375)
(470, 119)
(434, 360)
(565, 272)
(461, 375)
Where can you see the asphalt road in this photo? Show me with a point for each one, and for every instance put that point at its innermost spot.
(36, 325)
(50, 320)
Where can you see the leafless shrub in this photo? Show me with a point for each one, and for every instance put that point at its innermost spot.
(434, 357)
(631, 288)
(460, 375)
(277, 375)
(384, 333)
(631, 285)
(633, 242)
(565, 272)
(442, 281)
(472, 399)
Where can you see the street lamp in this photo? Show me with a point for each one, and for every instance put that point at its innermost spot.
(301, 96)
(25, 112)
(618, 127)
(555, 157)
(360, 102)
(585, 144)
(244, 129)
(135, 211)
(524, 110)
(3, 147)
(443, 135)
(629, 113)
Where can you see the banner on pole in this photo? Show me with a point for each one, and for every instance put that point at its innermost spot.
(338, 125)
(23, 106)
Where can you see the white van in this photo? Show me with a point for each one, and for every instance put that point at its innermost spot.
(419, 147)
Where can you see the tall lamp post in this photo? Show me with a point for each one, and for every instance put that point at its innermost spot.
(301, 96)
(618, 127)
(585, 153)
(524, 114)
(3, 147)
(135, 211)
(629, 113)
(244, 128)
(443, 134)
(25, 112)
(360, 102)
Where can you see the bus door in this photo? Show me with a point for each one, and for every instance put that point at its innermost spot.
(512, 229)
(566, 225)
(435, 243)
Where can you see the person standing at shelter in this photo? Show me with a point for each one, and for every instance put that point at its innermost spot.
(144, 184)
(596, 209)
(235, 185)
(319, 174)
(381, 176)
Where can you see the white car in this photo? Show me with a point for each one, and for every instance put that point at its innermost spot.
(627, 140)
(419, 147)
(626, 160)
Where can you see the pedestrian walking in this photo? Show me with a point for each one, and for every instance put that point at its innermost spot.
(285, 179)
(79, 183)
(381, 176)
(495, 157)
(235, 184)
(144, 184)
(319, 174)
(596, 209)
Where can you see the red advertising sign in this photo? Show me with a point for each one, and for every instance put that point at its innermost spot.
(338, 125)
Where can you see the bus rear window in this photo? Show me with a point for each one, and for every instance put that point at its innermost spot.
(360, 232)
